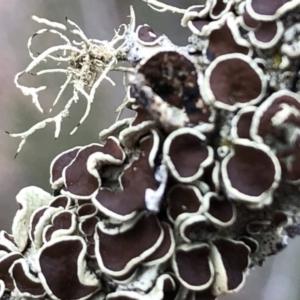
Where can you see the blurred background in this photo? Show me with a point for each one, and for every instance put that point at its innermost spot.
(280, 277)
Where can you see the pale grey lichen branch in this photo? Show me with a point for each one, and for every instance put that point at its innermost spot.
(85, 63)
(39, 32)
(30, 91)
(49, 23)
(56, 119)
(62, 89)
(161, 7)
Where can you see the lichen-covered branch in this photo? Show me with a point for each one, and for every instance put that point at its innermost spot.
(182, 200)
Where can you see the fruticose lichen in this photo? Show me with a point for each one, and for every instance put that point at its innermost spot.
(182, 200)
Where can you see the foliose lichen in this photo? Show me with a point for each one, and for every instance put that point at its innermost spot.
(182, 200)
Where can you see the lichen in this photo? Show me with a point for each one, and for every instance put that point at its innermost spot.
(185, 198)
